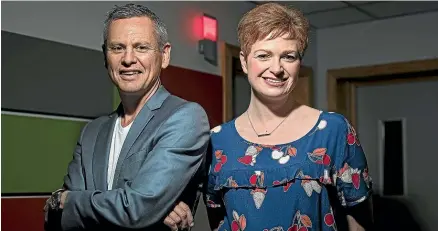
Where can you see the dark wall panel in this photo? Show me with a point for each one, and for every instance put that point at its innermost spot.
(50, 77)
(23, 213)
(203, 88)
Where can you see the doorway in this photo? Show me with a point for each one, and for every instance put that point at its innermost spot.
(394, 108)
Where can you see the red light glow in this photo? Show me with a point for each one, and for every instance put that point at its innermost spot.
(209, 26)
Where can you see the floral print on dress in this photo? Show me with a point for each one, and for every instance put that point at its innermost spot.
(342, 198)
(286, 183)
(367, 177)
(326, 179)
(309, 185)
(301, 222)
(232, 183)
(210, 203)
(329, 219)
(283, 154)
(350, 175)
(251, 154)
(221, 160)
(321, 125)
(276, 187)
(319, 156)
(239, 222)
(352, 136)
(259, 193)
(216, 129)
(278, 228)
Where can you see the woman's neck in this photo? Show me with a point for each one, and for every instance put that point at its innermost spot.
(262, 109)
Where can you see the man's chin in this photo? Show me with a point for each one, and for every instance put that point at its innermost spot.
(131, 91)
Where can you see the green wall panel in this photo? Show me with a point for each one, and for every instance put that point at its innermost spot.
(36, 152)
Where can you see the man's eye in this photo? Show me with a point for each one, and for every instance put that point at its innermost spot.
(142, 48)
(116, 48)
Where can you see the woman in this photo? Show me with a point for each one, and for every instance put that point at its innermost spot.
(276, 166)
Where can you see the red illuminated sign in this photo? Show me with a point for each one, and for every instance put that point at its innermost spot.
(209, 27)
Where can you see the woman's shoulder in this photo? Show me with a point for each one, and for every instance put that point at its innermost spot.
(222, 129)
(334, 121)
(326, 120)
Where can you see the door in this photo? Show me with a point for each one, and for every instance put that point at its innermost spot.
(407, 112)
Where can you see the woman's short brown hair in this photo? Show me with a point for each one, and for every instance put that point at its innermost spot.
(273, 18)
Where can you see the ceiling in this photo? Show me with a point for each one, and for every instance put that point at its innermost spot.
(324, 14)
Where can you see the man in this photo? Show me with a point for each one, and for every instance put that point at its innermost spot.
(130, 168)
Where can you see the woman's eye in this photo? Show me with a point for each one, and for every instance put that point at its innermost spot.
(290, 57)
(263, 56)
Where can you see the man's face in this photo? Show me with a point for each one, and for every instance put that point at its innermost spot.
(133, 57)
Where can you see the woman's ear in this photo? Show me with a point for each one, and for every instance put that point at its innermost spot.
(243, 62)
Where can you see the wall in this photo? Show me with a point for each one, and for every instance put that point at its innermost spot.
(50, 77)
(81, 24)
(392, 40)
(418, 107)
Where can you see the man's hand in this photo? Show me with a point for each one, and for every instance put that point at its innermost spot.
(63, 198)
(50, 203)
(180, 217)
(46, 208)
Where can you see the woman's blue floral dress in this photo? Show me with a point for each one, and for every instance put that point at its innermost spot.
(285, 186)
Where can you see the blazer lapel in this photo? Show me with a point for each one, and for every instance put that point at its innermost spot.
(140, 122)
(101, 153)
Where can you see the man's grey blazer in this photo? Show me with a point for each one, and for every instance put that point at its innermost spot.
(160, 163)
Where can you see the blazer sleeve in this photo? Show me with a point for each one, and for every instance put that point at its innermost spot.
(74, 180)
(179, 152)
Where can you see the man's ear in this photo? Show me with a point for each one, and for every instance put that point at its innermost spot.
(166, 55)
(104, 55)
(243, 62)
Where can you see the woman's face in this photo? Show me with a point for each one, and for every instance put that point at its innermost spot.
(272, 67)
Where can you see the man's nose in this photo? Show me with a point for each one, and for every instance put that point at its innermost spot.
(129, 57)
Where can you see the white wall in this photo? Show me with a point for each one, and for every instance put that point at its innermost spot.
(393, 40)
(81, 24)
(417, 103)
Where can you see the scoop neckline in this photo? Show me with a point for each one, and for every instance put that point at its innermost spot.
(312, 130)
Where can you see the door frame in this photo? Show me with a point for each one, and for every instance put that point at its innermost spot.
(227, 53)
(380, 158)
(342, 83)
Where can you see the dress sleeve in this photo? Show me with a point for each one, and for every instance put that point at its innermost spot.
(212, 197)
(353, 183)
